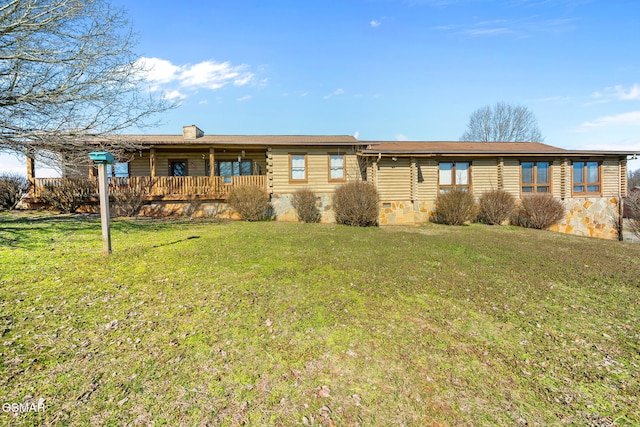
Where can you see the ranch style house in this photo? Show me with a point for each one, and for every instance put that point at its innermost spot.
(178, 169)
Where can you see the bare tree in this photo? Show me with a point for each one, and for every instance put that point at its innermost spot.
(69, 79)
(502, 123)
(634, 178)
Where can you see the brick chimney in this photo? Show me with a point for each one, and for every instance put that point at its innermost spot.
(191, 132)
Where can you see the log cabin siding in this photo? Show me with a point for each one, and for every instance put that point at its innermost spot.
(428, 186)
(565, 178)
(624, 173)
(556, 178)
(317, 171)
(511, 178)
(610, 178)
(394, 179)
(484, 176)
(139, 166)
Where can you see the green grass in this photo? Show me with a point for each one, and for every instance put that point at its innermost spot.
(197, 323)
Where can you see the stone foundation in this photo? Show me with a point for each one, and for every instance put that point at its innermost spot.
(194, 209)
(404, 212)
(590, 216)
(587, 216)
(285, 211)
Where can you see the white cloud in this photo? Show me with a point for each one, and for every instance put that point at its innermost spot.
(158, 70)
(619, 92)
(336, 92)
(374, 23)
(402, 137)
(632, 94)
(625, 119)
(244, 98)
(164, 75)
(525, 27)
(489, 31)
(245, 79)
(175, 94)
(356, 135)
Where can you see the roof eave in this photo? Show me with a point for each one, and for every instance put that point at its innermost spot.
(567, 153)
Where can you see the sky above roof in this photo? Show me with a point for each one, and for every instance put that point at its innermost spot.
(394, 69)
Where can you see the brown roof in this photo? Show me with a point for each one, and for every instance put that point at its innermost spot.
(477, 148)
(375, 148)
(247, 139)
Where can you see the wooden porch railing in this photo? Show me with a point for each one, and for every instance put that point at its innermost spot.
(164, 186)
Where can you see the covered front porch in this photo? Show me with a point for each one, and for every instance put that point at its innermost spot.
(171, 173)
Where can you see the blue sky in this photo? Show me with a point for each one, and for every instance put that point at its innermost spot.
(394, 69)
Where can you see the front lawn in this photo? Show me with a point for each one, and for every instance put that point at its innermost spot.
(200, 323)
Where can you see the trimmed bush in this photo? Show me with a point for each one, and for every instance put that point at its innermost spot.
(304, 201)
(455, 208)
(12, 188)
(69, 194)
(540, 211)
(632, 208)
(496, 206)
(251, 202)
(356, 203)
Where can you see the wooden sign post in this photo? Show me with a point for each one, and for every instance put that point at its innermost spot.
(102, 159)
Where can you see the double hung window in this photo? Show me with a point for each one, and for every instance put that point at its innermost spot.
(536, 177)
(454, 176)
(336, 167)
(297, 168)
(586, 178)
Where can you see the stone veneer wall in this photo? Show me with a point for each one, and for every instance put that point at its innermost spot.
(590, 216)
(195, 209)
(585, 216)
(405, 212)
(285, 211)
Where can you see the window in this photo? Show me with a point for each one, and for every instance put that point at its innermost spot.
(535, 177)
(228, 168)
(453, 176)
(336, 167)
(119, 170)
(298, 167)
(586, 178)
(178, 168)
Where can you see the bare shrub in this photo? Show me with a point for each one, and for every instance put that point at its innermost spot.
(251, 202)
(617, 223)
(191, 208)
(356, 203)
(496, 206)
(304, 202)
(12, 188)
(540, 211)
(128, 200)
(632, 207)
(455, 208)
(69, 194)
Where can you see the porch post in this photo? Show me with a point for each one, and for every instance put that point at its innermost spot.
(152, 162)
(31, 171)
(212, 168)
